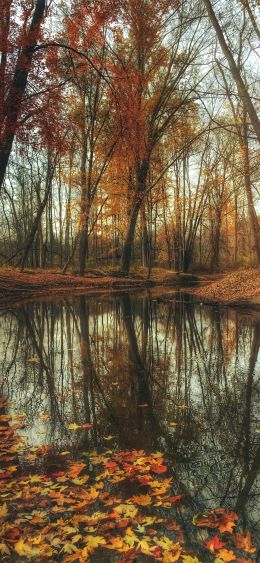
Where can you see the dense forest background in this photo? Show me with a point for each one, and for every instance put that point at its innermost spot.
(129, 134)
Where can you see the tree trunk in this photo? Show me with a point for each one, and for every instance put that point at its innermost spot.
(128, 245)
(250, 202)
(83, 245)
(186, 260)
(17, 88)
(41, 208)
(141, 176)
(216, 244)
(85, 208)
(241, 86)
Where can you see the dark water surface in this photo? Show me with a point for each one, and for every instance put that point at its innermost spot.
(148, 372)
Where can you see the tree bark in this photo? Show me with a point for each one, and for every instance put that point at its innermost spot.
(17, 88)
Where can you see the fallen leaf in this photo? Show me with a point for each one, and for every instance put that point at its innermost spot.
(4, 549)
(43, 416)
(142, 500)
(225, 555)
(94, 541)
(3, 511)
(214, 544)
(33, 360)
(156, 468)
(189, 559)
(73, 426)
(25, 550)
(244, 542)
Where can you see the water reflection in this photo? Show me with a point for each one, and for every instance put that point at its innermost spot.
(158, 373)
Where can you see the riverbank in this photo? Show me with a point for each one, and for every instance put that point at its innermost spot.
(241, 287)
(16, 285)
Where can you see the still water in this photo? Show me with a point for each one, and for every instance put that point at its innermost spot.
(148, 372)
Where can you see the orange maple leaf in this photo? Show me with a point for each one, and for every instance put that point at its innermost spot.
(244, 542)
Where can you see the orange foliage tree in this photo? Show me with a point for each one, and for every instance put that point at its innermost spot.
(150, 91)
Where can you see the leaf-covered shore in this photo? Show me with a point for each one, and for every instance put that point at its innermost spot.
(238, 286)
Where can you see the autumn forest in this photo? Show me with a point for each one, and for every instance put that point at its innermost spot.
(129, 134)
(129, 281)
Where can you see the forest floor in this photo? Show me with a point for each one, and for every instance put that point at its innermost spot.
(240, 287)
(16, 285)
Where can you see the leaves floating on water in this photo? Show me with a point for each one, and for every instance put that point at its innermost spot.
(85, 507)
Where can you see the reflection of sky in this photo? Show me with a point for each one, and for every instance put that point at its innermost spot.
(28, 384)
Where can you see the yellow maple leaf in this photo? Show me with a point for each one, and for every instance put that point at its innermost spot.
(148, 520)
(130, 538)
(25, 550)
(69, 548)
(225, 555)
(189, 559)
(95, 541)
(144, 547)
(3, 511)
(170, 557)
(166, 543)
(74, 426)
(128, 510)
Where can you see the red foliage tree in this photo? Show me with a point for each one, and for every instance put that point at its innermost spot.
(17, 46)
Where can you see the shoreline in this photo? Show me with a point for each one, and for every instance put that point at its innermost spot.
(16, 286)
(240, 288)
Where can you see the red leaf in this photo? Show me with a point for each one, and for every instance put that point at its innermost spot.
(156, 468)
(111, 465)
(214, 543)
(177, 498)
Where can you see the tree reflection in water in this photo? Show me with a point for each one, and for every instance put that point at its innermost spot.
(154, 373)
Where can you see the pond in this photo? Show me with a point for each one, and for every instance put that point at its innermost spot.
(151, 371)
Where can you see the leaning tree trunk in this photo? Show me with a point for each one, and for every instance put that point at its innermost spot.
(234, 69)
(17, 88)
(250, 202)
